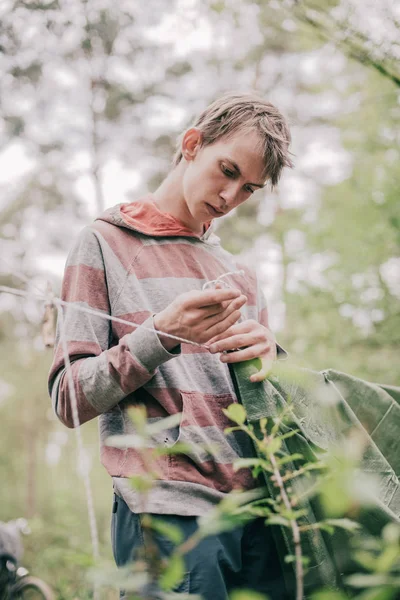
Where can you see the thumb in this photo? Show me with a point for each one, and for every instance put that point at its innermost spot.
(266, 367)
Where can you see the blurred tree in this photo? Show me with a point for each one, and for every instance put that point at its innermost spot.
(81, 92)
(92, 91)
(338, 248)
(367, 32)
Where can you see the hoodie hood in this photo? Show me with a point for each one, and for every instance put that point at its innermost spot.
(144, 216)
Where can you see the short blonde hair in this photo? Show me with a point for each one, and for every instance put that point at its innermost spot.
(235, 112)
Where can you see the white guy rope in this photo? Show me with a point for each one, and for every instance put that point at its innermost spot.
(51, 299)
(214, 282)
(80, 449)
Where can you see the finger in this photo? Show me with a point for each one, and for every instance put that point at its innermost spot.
(213, 309)
(248, 326)
(218, 286)
(214, 316)
(266, 367)
(224, 324)
(245, 354)
(241, 340)
(222, 336)
(237, 329)
(209, 297)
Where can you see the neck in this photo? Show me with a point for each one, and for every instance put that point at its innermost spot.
(170, 199)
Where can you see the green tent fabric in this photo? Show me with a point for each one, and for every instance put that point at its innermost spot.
(326, 406)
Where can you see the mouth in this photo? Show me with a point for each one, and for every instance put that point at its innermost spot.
(214, 211)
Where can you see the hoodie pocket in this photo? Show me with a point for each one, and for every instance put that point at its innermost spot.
(209, 453)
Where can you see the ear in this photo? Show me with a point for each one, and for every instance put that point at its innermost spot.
(191, 143)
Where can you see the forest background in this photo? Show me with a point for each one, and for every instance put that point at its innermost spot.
(92, 97)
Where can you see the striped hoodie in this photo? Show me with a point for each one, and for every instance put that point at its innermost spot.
(130, 263)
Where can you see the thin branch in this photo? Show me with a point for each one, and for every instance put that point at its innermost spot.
(295, 529)
(354, 52)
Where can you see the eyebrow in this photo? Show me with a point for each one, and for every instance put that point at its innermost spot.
(236, 167)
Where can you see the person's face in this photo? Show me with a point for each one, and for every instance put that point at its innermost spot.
(222, 175)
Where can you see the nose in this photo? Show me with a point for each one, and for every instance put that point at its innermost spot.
(230, 194)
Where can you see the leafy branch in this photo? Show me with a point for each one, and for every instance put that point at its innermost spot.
(269, 446)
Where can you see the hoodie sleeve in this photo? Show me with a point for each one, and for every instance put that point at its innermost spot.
(102, 375)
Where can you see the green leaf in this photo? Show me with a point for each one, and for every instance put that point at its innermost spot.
(218, 6)
(277, 520)
(329, 595)
(259, 511)
(328, 528)
(236, 413)
(273, 446)
(173, 573)
(169, 531)
(289, 558)
(177, 448)
(142, 483)
(138, 416)
(346, 524)
(215, 523)
(247, 595)
(289, 458)
(387, 559)
(123, 577)
(245, 463)
(289, 434)
(334, 503)
(391, 533)
(127, 441)
(167, 423)
(361, 580)
(365, 559)
(314, 465)
(230, 429)
(293, 515)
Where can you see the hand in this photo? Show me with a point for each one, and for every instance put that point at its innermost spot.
(199, 316)
(253, 340)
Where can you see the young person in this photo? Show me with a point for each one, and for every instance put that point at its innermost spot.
(147, 262)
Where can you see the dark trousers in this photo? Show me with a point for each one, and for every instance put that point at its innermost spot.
(244, 558)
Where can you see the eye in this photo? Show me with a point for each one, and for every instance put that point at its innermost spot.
(249, 189)
(227, 171)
